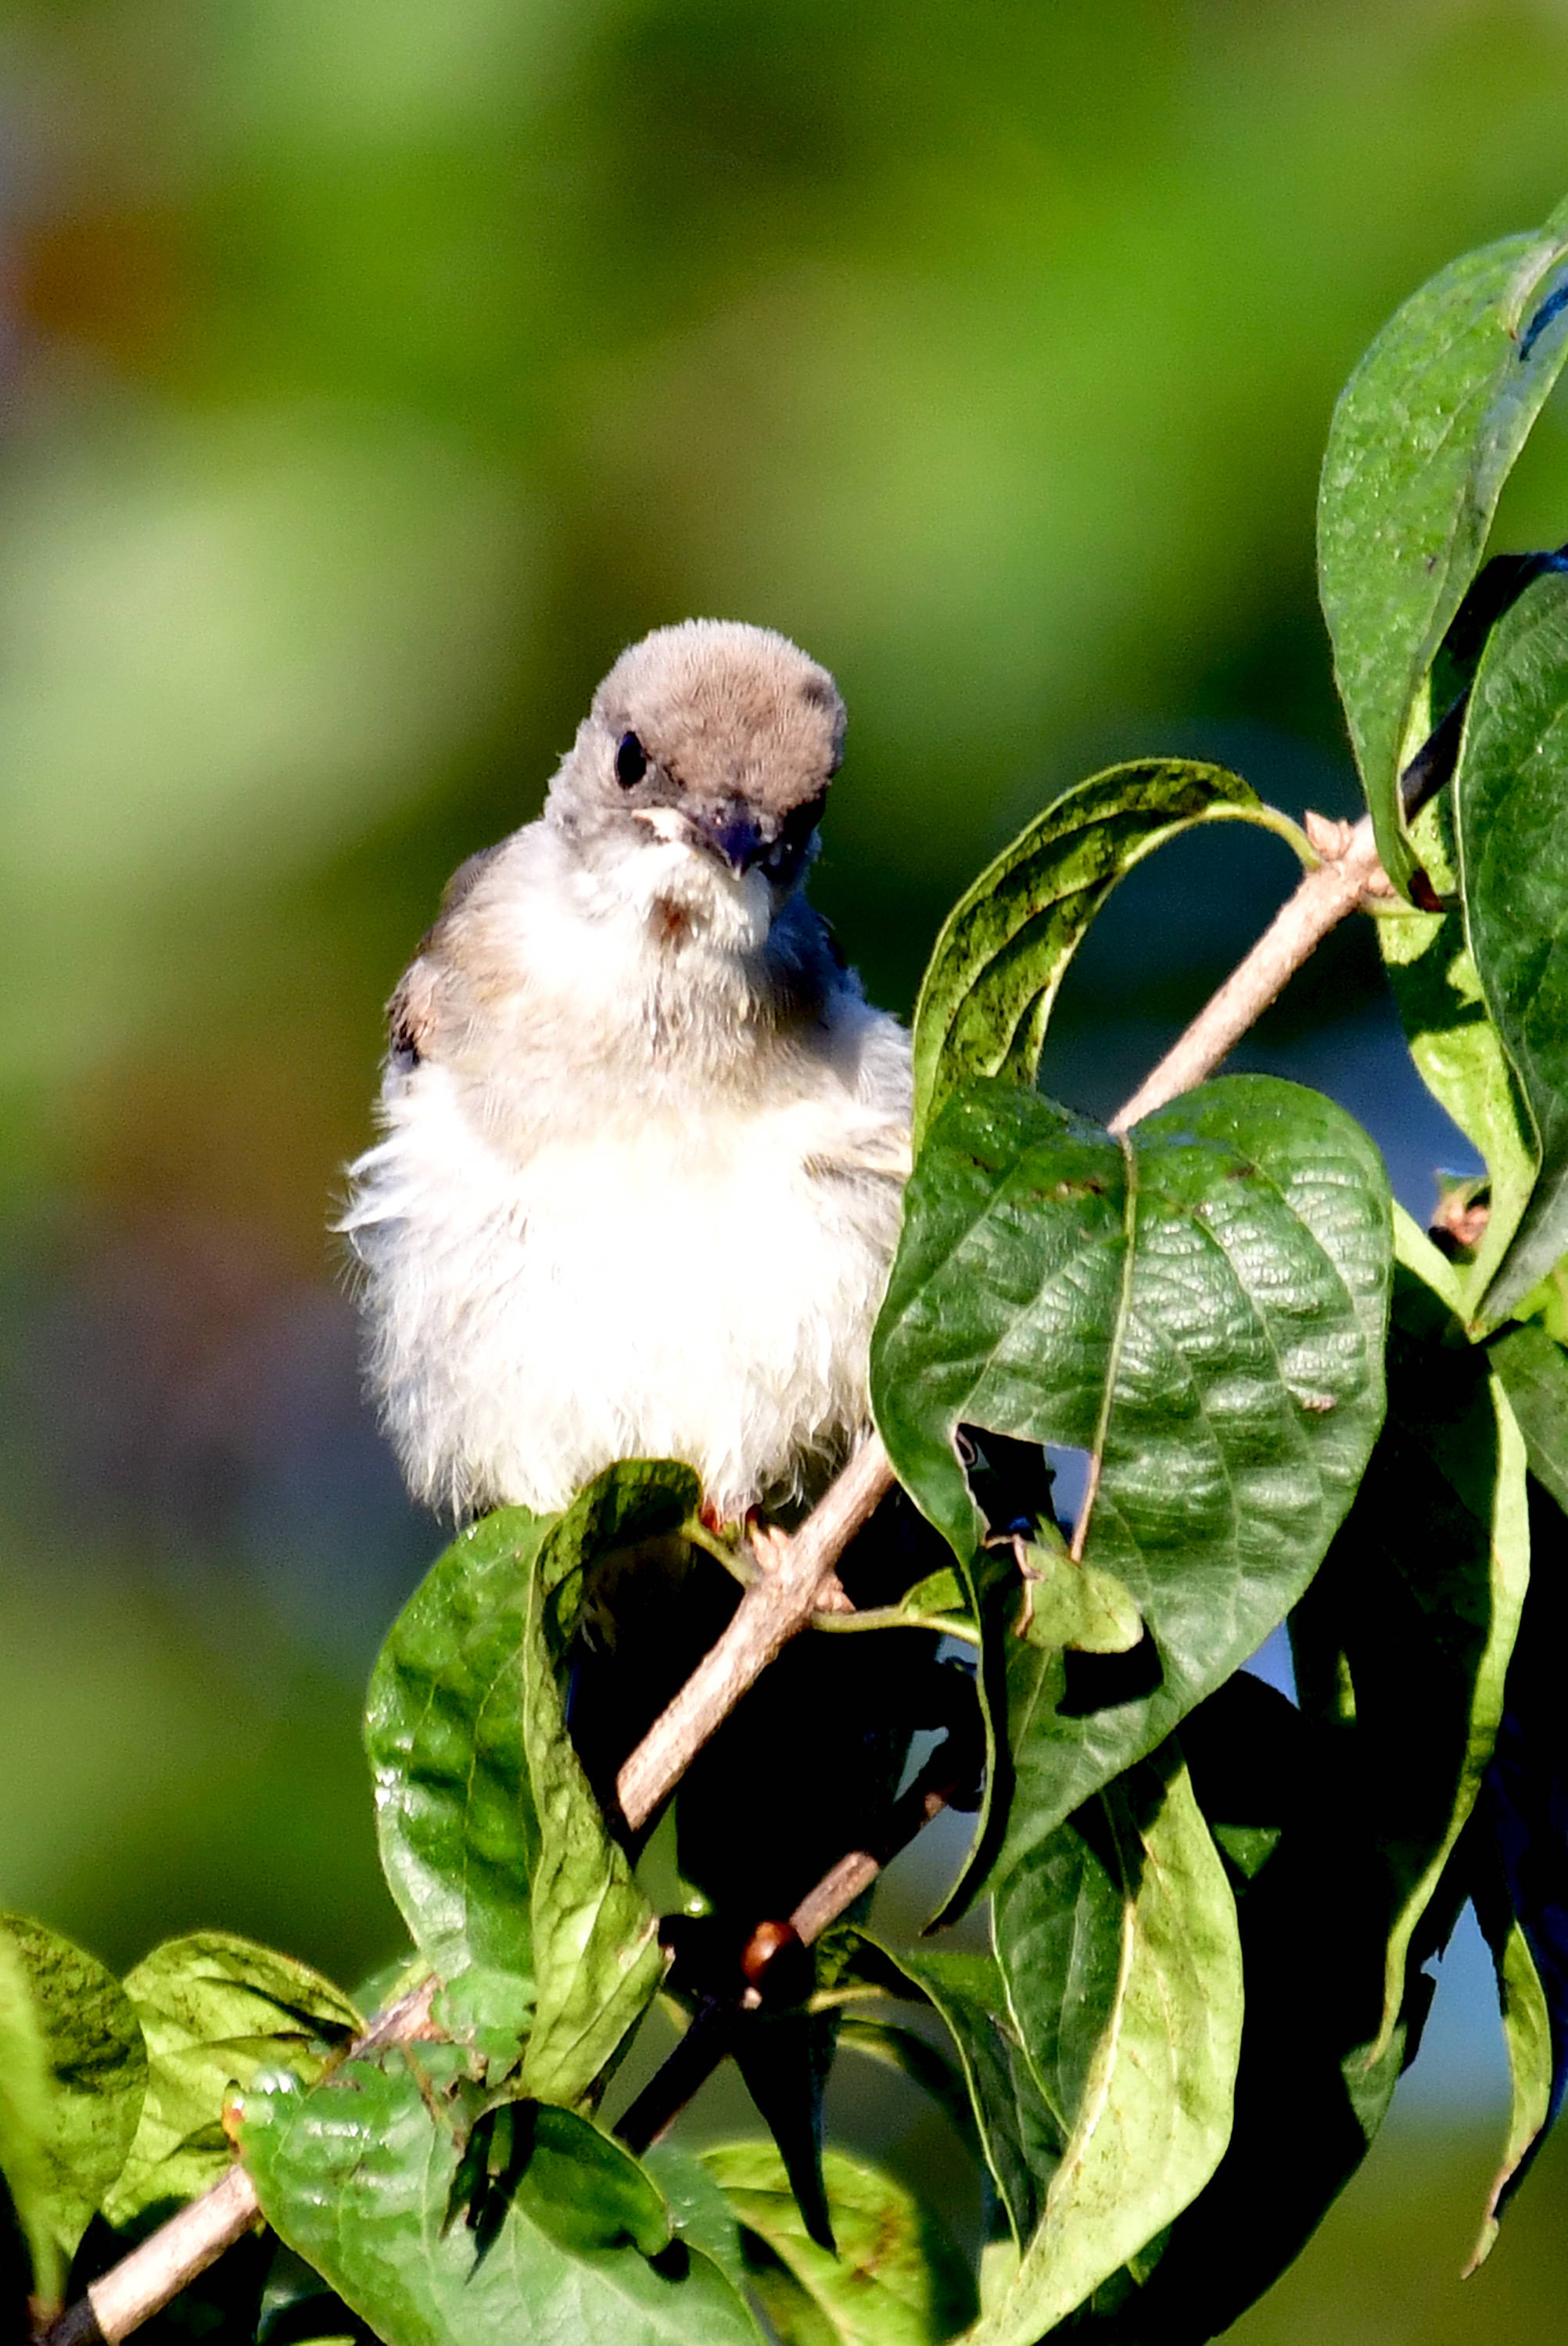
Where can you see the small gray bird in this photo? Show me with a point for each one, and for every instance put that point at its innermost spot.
(644, 1138)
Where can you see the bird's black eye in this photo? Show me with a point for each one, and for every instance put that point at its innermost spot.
(787, 854)
(631, 762)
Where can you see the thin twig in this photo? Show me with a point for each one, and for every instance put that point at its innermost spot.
(780, 1603)
(167, 2262)
(170, 2258)
(711, 2034)
(1341, 883)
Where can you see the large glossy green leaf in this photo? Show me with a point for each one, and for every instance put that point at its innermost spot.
(1201, 1307)
(1457, 1049)
(214, 2010)
(897, 2279)
(1309, 2099)
(1424, 436)
(95, 2072)
(1118, 1949)
(1020, 2133)
(998, 964)
(1419, 1601)
(1510, 796)
(494, 1845)
(363, 2179)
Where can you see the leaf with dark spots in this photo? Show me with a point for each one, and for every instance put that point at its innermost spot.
(73, 2075)
(215, 2009)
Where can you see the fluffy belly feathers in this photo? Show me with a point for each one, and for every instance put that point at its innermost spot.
(648, 1294)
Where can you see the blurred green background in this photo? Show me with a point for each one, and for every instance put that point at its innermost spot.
(372, 371)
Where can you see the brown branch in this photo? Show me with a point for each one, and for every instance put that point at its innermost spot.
(142, 2284)
(770, 1613)
(711, 2033)
(1342, 881)
(780, 1602)
(1348, 874)
(170, 2258)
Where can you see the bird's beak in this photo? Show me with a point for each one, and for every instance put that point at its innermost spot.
(734, 834)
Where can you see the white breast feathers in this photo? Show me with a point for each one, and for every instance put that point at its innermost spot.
(604, 1247)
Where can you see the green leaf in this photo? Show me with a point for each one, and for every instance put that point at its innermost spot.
(458, 1829)
(25, 2123)
(1201, 1307)
(214, 2010)
(1422, 1595)
(1534, 1374)
(95, 2072)
(998, 964)
(494, 1847)
(1457, 1049)
(1118, 1948)
(940, 1601)
(360, 2179)
(897, 2279)
(1527, 2033)
(1068, 1605)
(698, 2211)
(1547, 1302)
(1424, 436)
(1020, 2133)
(1511, 797)
(596, 1955)
(916, 2058)
(1313, 1923)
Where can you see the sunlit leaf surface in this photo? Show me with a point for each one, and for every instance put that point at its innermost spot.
(571, 2242)
(1201, 1307)
(1424, 436)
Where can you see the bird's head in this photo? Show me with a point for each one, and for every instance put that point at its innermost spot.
(697, 779)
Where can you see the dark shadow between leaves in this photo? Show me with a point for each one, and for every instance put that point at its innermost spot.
(494, 2162)
(1098, 1682)
(1011, 1482)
